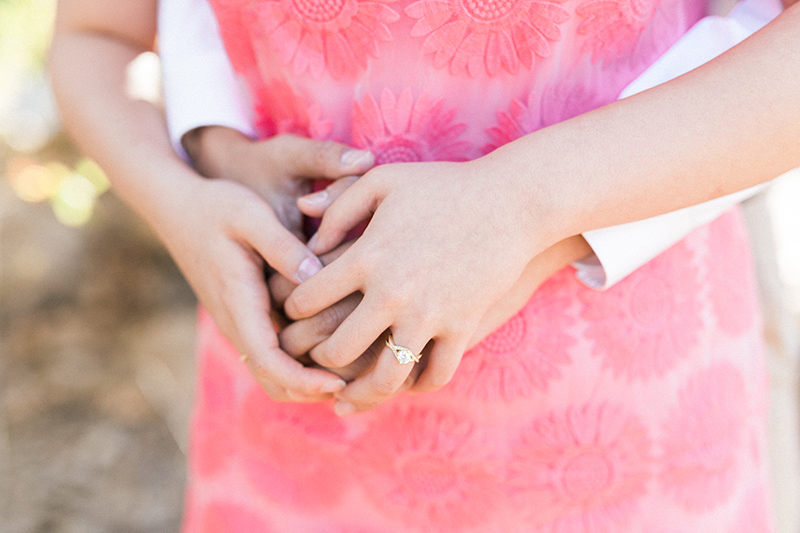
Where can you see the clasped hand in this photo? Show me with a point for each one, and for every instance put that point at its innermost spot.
(444, 243)
(443, 246)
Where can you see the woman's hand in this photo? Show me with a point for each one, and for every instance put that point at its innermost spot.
(220, 234)
(278, 169)
(444, 244)
(301, 337)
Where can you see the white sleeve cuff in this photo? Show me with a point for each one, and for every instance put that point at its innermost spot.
(620, 250)
(200, 86)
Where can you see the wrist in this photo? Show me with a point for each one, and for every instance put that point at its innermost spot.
(213, 150)
(539, 189)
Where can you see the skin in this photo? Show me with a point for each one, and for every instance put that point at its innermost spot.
(730, 124)
(221, 153)
(219, 232)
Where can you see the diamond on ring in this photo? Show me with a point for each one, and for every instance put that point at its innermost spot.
(403, 354)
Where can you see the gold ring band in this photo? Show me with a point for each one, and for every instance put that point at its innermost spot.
(403, 354)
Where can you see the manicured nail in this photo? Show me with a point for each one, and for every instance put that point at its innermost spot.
(308, 268)
(357, 158)
(312, 242)
(317, 198)
(333, 386)
(342, 408)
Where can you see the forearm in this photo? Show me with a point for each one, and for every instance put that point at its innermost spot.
(727, 125)
(126, 137)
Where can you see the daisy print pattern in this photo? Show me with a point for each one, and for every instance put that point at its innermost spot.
(422, 468)
(477, 36)
(279, 109)
(337, 36)
(613, 27)
(703, 436)
(584, 469)
(527, 353)
(645, 324)
(399, 130)
(293, 454)
(520, 119)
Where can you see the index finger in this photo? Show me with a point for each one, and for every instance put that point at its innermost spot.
(260, 342)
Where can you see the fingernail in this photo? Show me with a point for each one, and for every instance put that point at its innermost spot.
(312, 242)
(333, 386)
(308, 268)
(342, 408)
(357, 158)
(317, 198)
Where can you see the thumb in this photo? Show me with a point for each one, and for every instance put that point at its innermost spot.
(258, 226)
(310, 158)
(315, 204)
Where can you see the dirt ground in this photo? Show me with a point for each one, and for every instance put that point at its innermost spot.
(96, 339)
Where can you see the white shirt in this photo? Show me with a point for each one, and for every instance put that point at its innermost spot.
(201, 89)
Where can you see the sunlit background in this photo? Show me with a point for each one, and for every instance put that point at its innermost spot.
(96, 323)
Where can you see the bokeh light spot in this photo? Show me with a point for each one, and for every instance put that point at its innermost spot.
(33, 182)
(92, 172)
(74, 201)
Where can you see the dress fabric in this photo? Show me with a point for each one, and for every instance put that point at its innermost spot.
(637, 409)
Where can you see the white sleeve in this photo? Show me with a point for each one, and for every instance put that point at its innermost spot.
(619, 250)
(200, 86)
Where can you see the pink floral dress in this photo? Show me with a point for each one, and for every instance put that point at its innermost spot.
(639, 409)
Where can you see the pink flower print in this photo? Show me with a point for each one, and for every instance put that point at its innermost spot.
(733, 295)
(526, 353)
(234, 21)
(215, 421)
(486, 35)
(293, 453)
(520, 119)
(403, 130)
(703, 436)
(223, 517)
(425, 470)
(584, 469)
(333, 35)
(649, 321)
(570, 99)
(613, 27)
(279, 110)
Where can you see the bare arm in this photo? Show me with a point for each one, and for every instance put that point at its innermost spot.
(723, 127)
(219, 232)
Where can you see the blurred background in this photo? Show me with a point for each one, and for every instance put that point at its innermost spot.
(96, 324)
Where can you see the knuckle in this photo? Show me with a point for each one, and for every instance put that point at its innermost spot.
(326, 157)
(330, 357)
(279, 396)
(298, 305)
(280, 142)
(283, 244)
(329, 319)
(438, 380)
(288, 342)
(398, 300)
(384, 386)
(246, 214)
